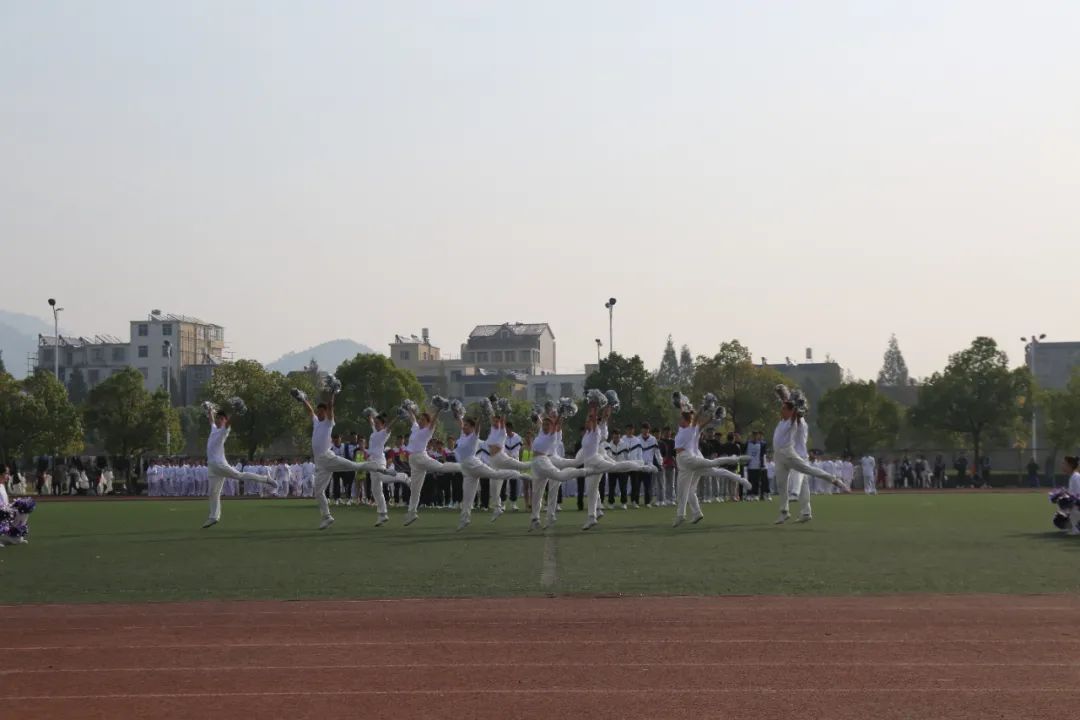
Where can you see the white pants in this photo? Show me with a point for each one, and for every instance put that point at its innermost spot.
(379, 475)
(472, 471)
(420, 464)
(691, 468)
(787, 463)
(546, 474)
(325, 466)
(502, 461)
(869, 484)
(218, 472)
(596, 466)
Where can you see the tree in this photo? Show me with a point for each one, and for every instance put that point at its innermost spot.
(640, 398)
(893, 369)
(37, 418)
(686, 369)
(3, 368)
(271, 415)
(372, 380)
(1061, 414)
(128, 420)
(667, 376)
(857, 418)
(77, 388)
(745, 389)
(976, 396)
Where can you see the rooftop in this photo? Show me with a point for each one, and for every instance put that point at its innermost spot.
(158, 316)
(78, 342)
(409, 339)
(523, 329)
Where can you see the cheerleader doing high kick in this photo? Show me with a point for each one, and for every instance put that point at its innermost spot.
(691, 463)
(601, 407)
(789, 443)
(547, 470)
(472, 469)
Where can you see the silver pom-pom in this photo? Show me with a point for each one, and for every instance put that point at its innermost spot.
(237, 404)
(209, 406)
(536, 414)
(719, 416)
(485, 407)
(439, 402)
(567, 408)
(457, 409)
(549, 407)
(802, 406)
(332, 385)
(298, 394)
(783, 393)
(613, 399)
(410, 406)
(596, 398)
(681, 402)
(369, 413)
(503, 407)
(709, 403)
(403, 413)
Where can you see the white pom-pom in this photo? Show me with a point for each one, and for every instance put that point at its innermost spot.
(567, 408)
(681, 402)
(802, 406)
(783, 393)
(403, 413)
(298, 394)
(439, 402)
(486, 409)
(596, 398)
(238, 406)
(457, 409)
(332, 385)
(549, 407)
(410, 406)
(369, 413)
(504, 408)
(208, 406)
(709, 403)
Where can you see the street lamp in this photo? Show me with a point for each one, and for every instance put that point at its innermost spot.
(56, 336)
(1029, 348)
(610, 305)
(598, 344)
(168, 390)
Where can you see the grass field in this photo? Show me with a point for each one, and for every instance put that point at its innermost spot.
(129, 551)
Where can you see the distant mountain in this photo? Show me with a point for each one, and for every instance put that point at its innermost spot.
(328, 355)
(18, 338)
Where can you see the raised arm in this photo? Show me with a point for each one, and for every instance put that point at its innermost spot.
(330, 411)
(310, 409)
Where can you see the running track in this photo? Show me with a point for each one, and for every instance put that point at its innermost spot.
(774, 657)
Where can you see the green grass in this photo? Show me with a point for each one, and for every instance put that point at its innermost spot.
(150, 551)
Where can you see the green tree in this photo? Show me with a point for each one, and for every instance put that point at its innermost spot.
(1061, 414)
(372, 380)
(856, 419)
(77, 388)
(129, 421)
(745, 389)
(893, 369)
(15, 413)
(37, 418)
(640, 398)
(271, 415)
(667, 376)
(976, 396)
(3, 368)
(686, 369)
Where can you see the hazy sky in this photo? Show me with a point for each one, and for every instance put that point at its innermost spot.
(789, 173)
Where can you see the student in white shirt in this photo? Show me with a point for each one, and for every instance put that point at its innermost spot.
(1072, 466)
(597, 463)
(501, 457)
(326, 462)
(789, 446)
(545, 473)
(218, 468)
(692, 465)
(869, 474)
(420, 463)
(473, 469)
(380, 431)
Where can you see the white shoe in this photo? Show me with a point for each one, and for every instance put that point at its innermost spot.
(410, 518)
(804, 518)
(784, 517)
(383, 519)
(679, 520)
(590, 523)
(745, 484)
(636, 506)
(209, 523)
(496, 513)
(402, 478)
(624, 506)
(840, 485)
(599, 514)
(326, 522)
(514, 507)
(551, 519)
(697, 519)
(463, 523)
(534, 524)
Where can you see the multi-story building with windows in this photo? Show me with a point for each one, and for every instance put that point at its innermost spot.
(96, 358)
(527, 348)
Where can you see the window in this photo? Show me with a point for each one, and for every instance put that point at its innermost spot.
(68, 359)
(145, 373)
(481, 357)
(144, 329)
(119, 354)
(144, 351)
(166, 329)
(470, 357)
(164, 351)
(566, 389)
(403, 355)
(496, 356)
(524, 356)
(94, 376)
(97, 355)
(47, 355)
(540, 392)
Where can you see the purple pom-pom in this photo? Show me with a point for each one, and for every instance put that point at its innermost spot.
(11, 530)
(24, 505)
(7, 513)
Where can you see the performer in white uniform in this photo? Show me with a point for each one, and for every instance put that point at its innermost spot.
(869, 474)
(326, 462)
(472, 469)
(789, 439)
(380, 431)
(420, 463)
(218, 468)
(503, 457)
(597, 463)
(544, 470)
(693, 465)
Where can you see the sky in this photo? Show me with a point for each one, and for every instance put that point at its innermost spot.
(792, 174)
